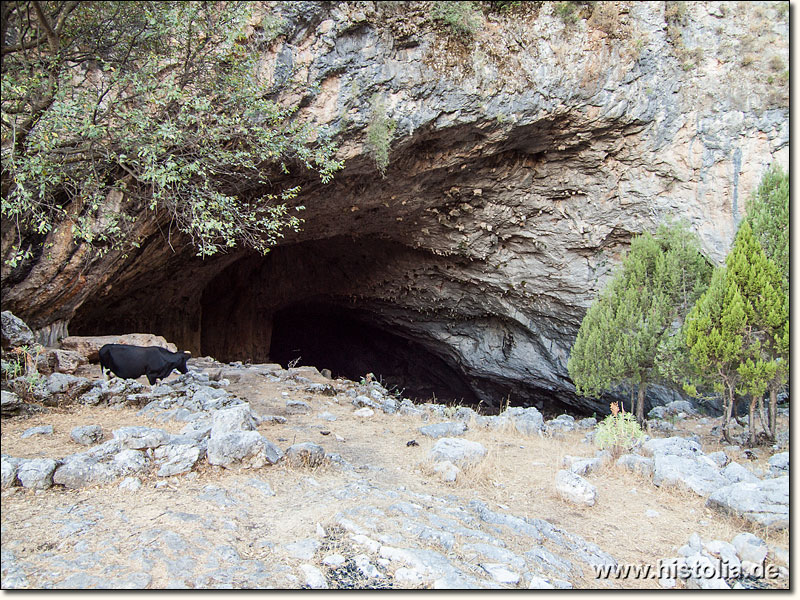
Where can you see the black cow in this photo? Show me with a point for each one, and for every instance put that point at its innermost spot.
(131, 362)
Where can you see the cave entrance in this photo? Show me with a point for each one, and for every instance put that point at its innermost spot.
(329, 336)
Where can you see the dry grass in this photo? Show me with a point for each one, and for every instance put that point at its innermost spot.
(516, 476)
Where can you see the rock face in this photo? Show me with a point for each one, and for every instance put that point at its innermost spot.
(523, 161)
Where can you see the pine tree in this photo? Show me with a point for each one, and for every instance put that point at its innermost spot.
(716, 332)
(768, 215)
(767, 310)
(619, 337)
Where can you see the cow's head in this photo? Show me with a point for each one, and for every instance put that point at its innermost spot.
(182, 362)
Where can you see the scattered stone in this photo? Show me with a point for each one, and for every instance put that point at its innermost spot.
(14, 332)
(297, 407)
(720, 458)
(176, 458)
(138, 437)
(86, 435)
(765, 503)
(40, 430)
(458, 451)
(446, 470)
(674, 446)
(305, 454)
(540, 583)
(581, 465)
(734, 473)
(314, 578)
(575, 488)
(9, 467)
(440, 430)
(750, 548)
(698, 474)
(10, 403)
(637, 464)
(500, 573)
(37, 473)
(131, 484)
(779, 464)
(248, 448)
(364, 412)
(303, 549)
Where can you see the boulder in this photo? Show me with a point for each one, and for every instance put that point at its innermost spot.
(637, 464)
(53, 360)
(40, 430)
(527, 421)
(37, 473)
(458, 451)
(248, 448)
(779, 464)
(89, 346)
(10, 403)
(735, 473)
(175, 459)
(765, 503)
(305, 454)
(82, 470)
(138, 437)
(750, 548)
(575, 488)
(236, 418)
(63, 388)
(14, 333)
(9, 467)
(675, 446)
(699, 474)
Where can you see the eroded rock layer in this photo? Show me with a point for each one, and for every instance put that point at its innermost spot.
(522, 162)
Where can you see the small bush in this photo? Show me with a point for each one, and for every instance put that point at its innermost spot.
(567, 11)
(461, 17)
(618, 432)
(379, 134)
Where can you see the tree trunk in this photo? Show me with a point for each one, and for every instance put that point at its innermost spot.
(640, 404)
(762, 416)
(751, 420)
(726, 417)
(773, 412)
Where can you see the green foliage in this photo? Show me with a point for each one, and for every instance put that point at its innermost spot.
(766, 307)
(638, 312)
(738, 332)
(768, 215)
(159, 101)
(567, 11)
(462, 18)
(379, 134)
(618, 432)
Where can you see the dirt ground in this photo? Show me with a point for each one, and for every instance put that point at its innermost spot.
(517, 474)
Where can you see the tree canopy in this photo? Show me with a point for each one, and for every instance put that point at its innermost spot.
(654, 288)
(162, 102)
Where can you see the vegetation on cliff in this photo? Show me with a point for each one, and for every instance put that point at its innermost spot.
(660, 318)
(657, 283)
(162, 102)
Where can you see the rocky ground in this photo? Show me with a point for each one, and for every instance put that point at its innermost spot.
(254, 476)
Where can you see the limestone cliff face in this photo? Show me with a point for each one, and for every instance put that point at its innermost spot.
(522, 162)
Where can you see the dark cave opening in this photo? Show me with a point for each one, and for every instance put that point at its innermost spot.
(328, 336)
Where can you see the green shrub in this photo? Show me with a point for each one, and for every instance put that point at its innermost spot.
(461, 17)
(379, 134)
(618, 432)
